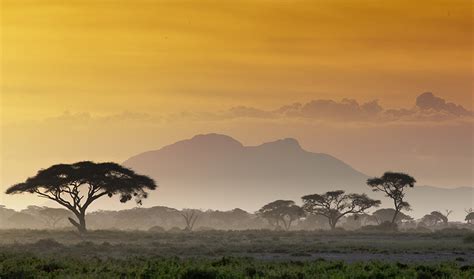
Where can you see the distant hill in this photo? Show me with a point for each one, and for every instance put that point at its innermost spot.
(216, 171)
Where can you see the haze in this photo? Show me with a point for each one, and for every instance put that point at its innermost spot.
(101, 80)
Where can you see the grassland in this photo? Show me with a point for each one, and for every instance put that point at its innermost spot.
(23, 266)
(236, 254)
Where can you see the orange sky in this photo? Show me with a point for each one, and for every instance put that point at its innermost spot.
(68, 67)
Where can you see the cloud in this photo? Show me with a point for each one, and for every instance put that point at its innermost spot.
(329, 109)
(428, 101)
(427, 107)
(243, 111)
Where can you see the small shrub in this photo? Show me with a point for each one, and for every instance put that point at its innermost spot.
(175, 230)
(199, 273)
(156, 229)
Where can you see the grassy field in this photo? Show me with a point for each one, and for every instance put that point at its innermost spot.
(236, 254)
(23, 266)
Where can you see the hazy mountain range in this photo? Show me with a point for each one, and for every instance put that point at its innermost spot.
(216, 171)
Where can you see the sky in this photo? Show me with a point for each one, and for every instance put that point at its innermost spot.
(104, 80)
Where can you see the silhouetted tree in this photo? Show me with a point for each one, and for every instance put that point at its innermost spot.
(447, 212)
(5, 214)
(50, 216)
(190, 217)
(393, 184)
(53, 216)
(232, 219)
(365, 218)
(470, 216)
(336, 204)
(291, 214)
(430, 220)
(76, 186)
(442, 217)
(24, 220)
(356, 221)
(281, 211)
(386, 214)
(314, 222)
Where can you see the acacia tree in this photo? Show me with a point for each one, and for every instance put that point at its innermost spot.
(430, 220)
(76, 186)
(50, 216)
(386, 214)
(442, 217)
(393, 184)
(190, 217)
(470, 216)
(336, 204)
(356, 221)
(53, 216)
(281, 211)
(446, 215)
(290, 214)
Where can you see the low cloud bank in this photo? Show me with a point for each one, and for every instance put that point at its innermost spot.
(427, 107)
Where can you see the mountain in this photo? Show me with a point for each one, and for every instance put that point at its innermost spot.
(217, 171)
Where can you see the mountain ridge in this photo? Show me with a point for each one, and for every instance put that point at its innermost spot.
(217, 171)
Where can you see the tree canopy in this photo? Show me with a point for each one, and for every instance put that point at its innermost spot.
(76, 186)
(470, 217)
(336, 204)
(393, 184)
(190, 217)
(281, 211)
(440, 217)
(386, 214)
(50, 216)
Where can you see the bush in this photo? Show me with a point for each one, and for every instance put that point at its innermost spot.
(199, 273)
(156, 229)
(175, 230)
(384, 227)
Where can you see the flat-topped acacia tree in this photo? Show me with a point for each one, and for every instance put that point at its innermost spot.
(393, 185)
(76, 186)
(336, 204)
(284, 211)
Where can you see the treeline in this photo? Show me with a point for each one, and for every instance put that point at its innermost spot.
(76, 186)
(162, 218)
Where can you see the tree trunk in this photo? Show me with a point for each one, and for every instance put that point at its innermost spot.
(286, 224)
(81, 225)
(395, 215)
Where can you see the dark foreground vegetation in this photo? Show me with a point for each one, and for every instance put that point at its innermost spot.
(27, 266)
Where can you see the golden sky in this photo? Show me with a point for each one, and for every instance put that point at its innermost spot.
(95, 56)
(68, 67)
